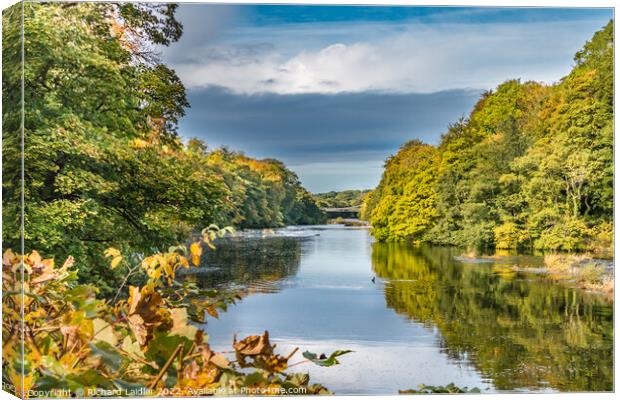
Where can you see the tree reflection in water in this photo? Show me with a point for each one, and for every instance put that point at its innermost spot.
(253, 264)
(517, 328)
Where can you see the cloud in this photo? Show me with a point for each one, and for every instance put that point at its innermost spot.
(282, 123)
(330, 140)
(397, 57)
(333, 91)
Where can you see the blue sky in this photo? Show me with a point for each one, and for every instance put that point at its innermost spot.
(334, 90)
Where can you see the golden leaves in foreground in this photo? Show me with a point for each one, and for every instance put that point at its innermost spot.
(146, 313)
(260, 352)
(164, 265)
(76, 342)
(254, 345)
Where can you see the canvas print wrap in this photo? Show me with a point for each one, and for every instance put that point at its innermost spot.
(220, 199)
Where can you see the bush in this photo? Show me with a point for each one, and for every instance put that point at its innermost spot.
(142, 344)
(569, 234)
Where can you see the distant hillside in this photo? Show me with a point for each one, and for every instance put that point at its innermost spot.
(346, 198)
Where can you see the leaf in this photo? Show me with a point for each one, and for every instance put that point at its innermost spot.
(180, 324)
(8, 258)
(70, 334)
(131, 347)
(112, 252)
(134, 298)
(195, 250)
(254, 345)
(162, 346)
(136, 323)
(272, 363)
(116, 256)
(219, 360)
(298, 379)
(83, 298)
(52, 365)
(145, 312)
(324, 361)
(130, 387)
(115, 261)
(35, 296)
(109, 355)
(104, 332)
(177, 249)
(254, 378)
(68, 263)
(48, 382)
(90, 377)
(212, 311)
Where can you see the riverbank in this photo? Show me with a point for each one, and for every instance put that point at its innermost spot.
(583, 271)
(348, 222)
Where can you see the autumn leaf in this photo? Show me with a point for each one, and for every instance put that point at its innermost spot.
(116, 256)
(8, 258)
(195, 250)
(254, 345)
(219, 360)
(68, 263)
(145, 312)
(115, 261)
(108, 354)
(104, 332)
(180, 324)
(112, 252)
(212, 311)
(272, 363)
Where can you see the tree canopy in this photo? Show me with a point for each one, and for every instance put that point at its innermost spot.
(530, 167)
(104, 163)
(345, 198)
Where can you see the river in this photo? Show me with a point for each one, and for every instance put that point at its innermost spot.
(426, 319)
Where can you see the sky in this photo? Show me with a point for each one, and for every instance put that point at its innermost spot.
(333, 91)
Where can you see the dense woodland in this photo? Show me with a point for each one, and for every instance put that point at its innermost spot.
(346, 198)
(531, 168)
(113, 197)
(104, 163)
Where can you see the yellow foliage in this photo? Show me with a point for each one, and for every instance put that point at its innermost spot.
(195, 250)
(69, 332)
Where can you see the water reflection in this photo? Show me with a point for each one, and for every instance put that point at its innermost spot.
(516, 328)
(257, 264)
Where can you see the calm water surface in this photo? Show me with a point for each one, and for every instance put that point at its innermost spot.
(427, 318)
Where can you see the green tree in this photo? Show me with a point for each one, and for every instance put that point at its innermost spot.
(567, 173)
(531, 167)
(104, 164)
(405, 207)
(89, 95)
(346, 198)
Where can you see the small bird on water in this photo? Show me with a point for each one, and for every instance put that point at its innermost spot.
(373, 279)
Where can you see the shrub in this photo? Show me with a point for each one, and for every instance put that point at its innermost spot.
(143, 344)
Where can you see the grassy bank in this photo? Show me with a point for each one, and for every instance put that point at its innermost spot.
(586, 271)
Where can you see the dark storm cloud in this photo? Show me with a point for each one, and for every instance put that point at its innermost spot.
(313, 126)
(333, 141)
(334, 91)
